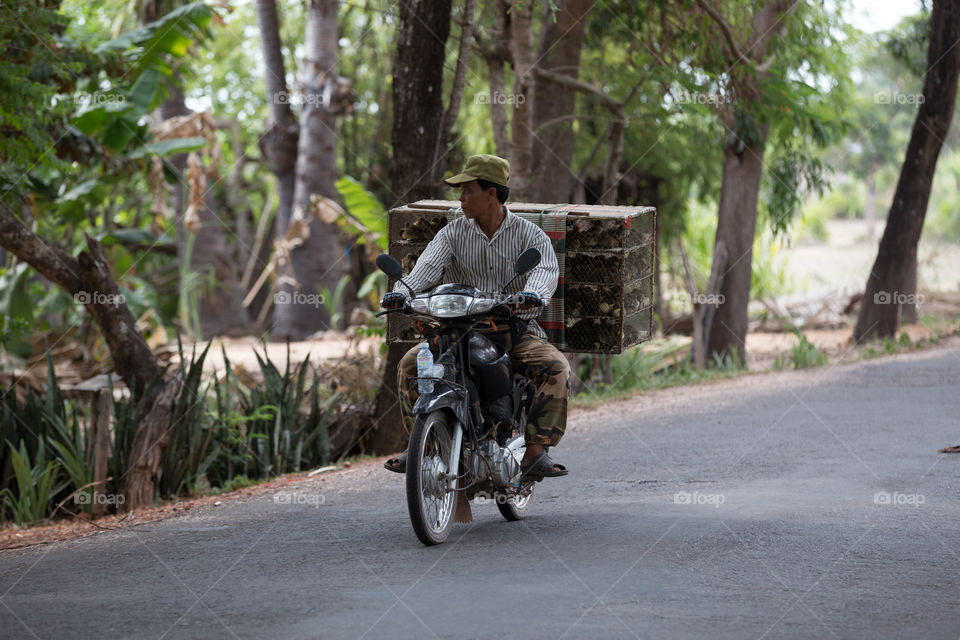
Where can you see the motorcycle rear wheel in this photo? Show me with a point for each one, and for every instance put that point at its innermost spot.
(430, 503)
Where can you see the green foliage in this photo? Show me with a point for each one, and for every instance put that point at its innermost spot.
(187, 454)
(32, 74)
(907, 43)
(332, 301)
(803, 355)
(770, 275)
(12, 329)
(75, 146)
(237, 482)
(943, 212)
(365, 217)
(35, 485)
(276, 428)
(68, 438)
(192, 282)
(150, 52)
(71, 103)
(16, 309)
(658, 364)
(373, 287)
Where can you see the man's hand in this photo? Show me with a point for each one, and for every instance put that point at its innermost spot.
(527, 300)
(393, 300)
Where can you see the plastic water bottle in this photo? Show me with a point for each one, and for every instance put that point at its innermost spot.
(424, 368)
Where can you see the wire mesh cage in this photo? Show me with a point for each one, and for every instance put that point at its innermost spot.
(604, 299)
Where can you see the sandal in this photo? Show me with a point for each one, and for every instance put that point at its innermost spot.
(397, 465)
(542, 467)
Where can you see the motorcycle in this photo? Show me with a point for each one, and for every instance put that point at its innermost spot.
(467, 437)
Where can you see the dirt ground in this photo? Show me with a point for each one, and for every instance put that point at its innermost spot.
(843, 262)
(764, 347)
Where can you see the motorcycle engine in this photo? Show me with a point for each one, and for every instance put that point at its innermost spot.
(495, 463)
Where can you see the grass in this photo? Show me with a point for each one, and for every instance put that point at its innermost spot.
(803, 355)
(656, 365)
(647, 367)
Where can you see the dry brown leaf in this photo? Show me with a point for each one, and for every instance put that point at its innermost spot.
(325, 209)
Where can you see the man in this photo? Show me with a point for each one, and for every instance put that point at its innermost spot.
(480, 250)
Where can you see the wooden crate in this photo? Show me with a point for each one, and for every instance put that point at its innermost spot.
(607, 254)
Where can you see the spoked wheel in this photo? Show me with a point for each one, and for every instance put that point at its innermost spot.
(517, 507)
(430, 502)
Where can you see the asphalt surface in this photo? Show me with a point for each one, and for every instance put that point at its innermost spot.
(795, 505)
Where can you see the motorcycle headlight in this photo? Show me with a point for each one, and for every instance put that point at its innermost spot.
(449, 305)
(419, 305)
(481, 305)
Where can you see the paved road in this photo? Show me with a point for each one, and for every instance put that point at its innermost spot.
(796, 505)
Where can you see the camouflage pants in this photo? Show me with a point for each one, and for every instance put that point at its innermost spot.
(536, 358)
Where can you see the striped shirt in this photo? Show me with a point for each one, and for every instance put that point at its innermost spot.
(462, 253)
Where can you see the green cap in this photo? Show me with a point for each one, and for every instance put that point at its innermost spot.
(483, 167)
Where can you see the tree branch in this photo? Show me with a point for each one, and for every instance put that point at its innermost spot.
(52, 262)
(579, 85)
(89, 276)
(727, 32)
(459, 80)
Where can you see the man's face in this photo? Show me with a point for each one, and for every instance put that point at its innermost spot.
(475, 200)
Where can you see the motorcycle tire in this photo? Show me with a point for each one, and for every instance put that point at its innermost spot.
(430, 503)
(515, 508)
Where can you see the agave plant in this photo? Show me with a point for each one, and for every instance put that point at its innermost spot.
(36, 484)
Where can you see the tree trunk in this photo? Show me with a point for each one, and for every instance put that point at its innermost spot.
(220, 311)
(279, 144)
(870, 215)
(88, 278)
(740, 183)
(561, 40)
(418, 98)
(495, 54)
(739, 192)
(889, 283)
(456, 93)
(908, 308)
(611, 173)
(417, 122)
(318, 262)
(524, 82)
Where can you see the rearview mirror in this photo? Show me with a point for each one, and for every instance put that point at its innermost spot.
(527, 260)
(390, 266)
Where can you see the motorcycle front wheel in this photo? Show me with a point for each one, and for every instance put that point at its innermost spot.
(430, 502)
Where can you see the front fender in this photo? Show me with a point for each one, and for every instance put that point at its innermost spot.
(449, 398)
